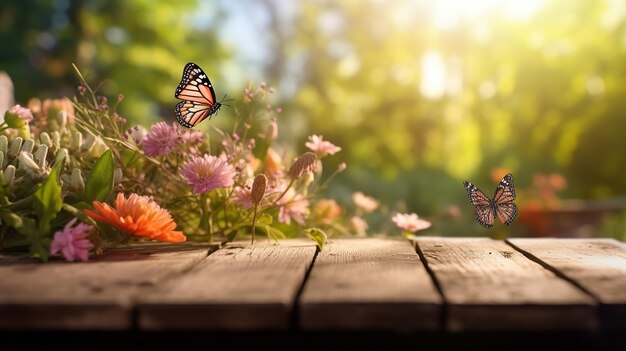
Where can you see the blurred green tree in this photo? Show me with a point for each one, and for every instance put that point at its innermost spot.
(137, 48)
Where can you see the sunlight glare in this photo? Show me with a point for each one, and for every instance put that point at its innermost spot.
(448, 13)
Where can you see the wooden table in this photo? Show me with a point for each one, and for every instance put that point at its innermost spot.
(388, 289)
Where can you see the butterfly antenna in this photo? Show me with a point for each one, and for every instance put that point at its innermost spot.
(224, 99)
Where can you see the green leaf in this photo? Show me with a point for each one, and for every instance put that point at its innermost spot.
(317, 235)
(100, 182)
(273, 233)
(24, 226)
(264, 219)
(48, 202)
(41, 249)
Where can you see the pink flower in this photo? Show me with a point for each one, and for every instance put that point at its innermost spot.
(193, 136)
(206, 173)
(321, 147)
(243, 195)
(22, 112)
(72, 242)
(162, 139)
(292, 206)
(360, 225)
(365, 203)
(410, 222)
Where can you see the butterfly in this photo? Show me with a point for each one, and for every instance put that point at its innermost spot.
(502, 205)
(197, 95)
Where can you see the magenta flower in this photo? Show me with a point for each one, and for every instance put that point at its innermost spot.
(72, 242)
(410, 222)
(206, 173)
(292, 206)
(321, 147)
(162, 139)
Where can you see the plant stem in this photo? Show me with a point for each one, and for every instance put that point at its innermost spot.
(283, 193)
(254, 222)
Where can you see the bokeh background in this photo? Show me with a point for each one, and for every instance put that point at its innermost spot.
(421, 95)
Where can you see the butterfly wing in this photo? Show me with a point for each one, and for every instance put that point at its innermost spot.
(483, 207)
(196, 91)
(503, 199)
(195, 86)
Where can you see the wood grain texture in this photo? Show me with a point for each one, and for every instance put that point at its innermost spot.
(597, 265)
(376, 284)
(240, 287)
(86, 295)
(488, 285)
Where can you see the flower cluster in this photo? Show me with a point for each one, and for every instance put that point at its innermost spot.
(76, 174)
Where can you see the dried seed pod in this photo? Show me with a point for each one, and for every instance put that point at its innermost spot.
(258, 188)
(304, 164)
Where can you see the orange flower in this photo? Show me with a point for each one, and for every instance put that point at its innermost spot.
(138, 216)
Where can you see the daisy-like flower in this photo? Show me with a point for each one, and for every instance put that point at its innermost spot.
(72, 242)
(292, 206)
(139, 216)
(364, 202)
(206, 173)
(321, 147)
(162, 139)
(410, 222)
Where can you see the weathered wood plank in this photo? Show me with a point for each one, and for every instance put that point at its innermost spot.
(376, 284)
(240, 287)
(93, 295)
(596, 265)
(488, 285)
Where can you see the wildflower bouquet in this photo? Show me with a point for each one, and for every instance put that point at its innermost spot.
(74, 179)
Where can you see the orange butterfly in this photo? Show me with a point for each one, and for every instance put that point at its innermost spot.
(198, 97)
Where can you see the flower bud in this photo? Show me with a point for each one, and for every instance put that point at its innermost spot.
(4, 143)
(44, 139)
(27, 163)
(77, 183)
(97, 148)
(62, 156)
(342, 167)
(77, 141)
(88, 143)
(15, 147)
(28, 145)
(56, 140)
(304, 164)
(258, 188)
(9, 175)
(62, 119)
(41, 154)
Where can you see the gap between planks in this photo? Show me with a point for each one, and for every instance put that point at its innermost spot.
(489, 286)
